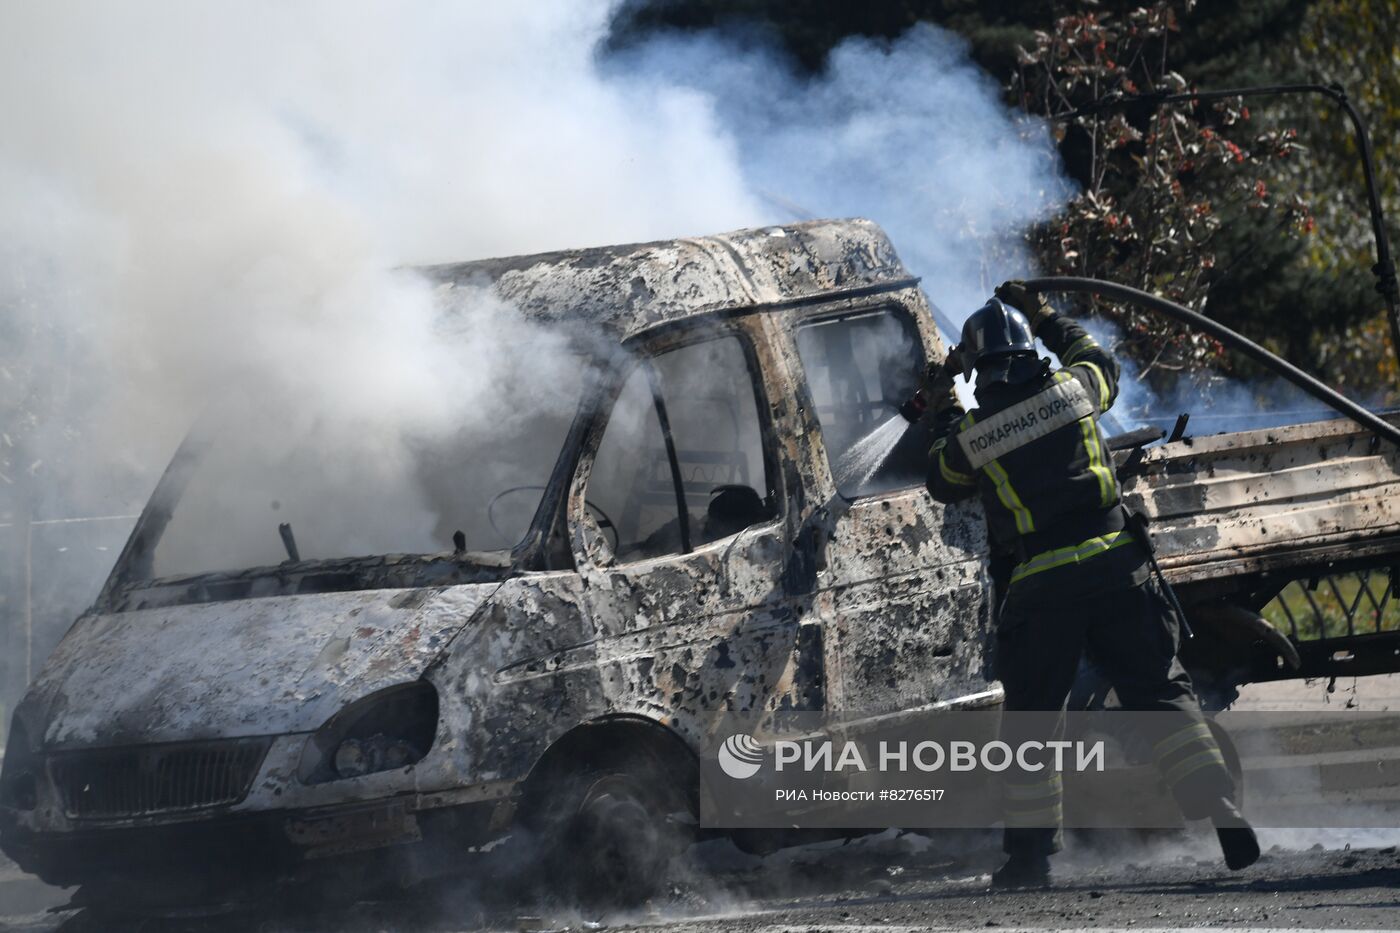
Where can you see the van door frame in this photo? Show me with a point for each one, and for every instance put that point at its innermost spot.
(685, 636)
(831, 512)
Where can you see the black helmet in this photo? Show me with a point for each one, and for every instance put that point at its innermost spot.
(994, 330)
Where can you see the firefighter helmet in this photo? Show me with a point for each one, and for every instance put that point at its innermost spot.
(994, 332)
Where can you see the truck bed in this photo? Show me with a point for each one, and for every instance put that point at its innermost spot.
(1299, 523)
(1265, 500)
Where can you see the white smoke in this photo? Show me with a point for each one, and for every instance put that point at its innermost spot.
(910, 133)
(203, 202)
(224, 189)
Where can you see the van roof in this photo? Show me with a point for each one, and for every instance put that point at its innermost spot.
(631, 288)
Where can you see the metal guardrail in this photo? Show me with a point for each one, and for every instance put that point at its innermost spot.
(1357, 602)
(1344, 624)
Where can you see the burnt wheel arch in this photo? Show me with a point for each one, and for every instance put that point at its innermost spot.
(622, 742)
(607, 808)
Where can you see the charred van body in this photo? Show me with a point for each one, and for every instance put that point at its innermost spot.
(686, 551)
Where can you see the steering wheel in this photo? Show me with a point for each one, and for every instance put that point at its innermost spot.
(604, 522)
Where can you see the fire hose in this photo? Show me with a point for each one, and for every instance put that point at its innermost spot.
(1231, 339)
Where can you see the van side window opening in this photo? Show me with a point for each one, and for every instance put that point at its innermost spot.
(860, 369)
(705, 394)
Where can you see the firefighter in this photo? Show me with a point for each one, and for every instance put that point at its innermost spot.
(1033, 451)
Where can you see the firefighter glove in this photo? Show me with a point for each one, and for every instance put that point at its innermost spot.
(952, 363)
(1032, 304)
(938, 382)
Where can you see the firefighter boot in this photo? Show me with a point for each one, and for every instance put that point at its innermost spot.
(1237, 840)
(1022, 871)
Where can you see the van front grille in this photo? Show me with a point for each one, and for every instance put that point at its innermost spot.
(152, 779)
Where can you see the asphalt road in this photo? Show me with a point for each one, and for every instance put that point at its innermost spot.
(891, 883)
(1176, 885)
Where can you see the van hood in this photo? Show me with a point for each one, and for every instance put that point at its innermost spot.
(252, 667)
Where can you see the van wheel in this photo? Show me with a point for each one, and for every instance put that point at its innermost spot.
(611, 838)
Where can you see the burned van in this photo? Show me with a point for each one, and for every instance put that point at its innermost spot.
(688, 538)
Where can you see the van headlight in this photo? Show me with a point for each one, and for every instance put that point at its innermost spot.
(385, 731)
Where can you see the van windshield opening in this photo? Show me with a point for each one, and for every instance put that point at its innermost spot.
(346, 490)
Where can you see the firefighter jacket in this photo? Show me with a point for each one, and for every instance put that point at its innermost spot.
(1034, 453)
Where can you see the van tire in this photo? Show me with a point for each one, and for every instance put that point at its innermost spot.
(608, 838)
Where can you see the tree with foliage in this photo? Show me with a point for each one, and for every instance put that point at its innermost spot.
(1354, 44)
(1159, 181)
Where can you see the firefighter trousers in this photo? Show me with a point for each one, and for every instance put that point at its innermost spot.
(1132, 635)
